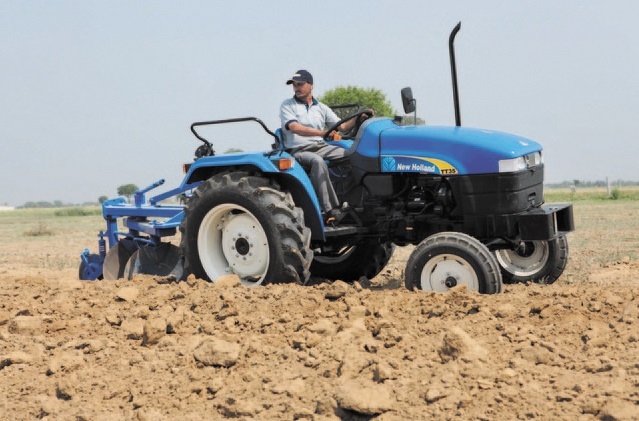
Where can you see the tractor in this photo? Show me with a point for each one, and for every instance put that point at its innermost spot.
(470, 200)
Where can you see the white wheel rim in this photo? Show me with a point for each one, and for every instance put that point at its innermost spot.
(231, 240)
(444, 271)
(519, 265)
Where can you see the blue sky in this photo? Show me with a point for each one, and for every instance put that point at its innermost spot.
(97, 94)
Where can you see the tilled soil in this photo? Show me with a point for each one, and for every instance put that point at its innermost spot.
(150, 349)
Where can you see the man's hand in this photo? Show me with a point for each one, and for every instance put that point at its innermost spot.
(346, 126)
(365, 117)
(334, 135)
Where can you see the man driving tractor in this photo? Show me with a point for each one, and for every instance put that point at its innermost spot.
(304, 121)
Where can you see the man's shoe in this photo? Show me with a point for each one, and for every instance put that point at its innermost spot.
(335, 216)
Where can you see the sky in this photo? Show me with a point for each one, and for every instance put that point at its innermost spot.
(97, 94)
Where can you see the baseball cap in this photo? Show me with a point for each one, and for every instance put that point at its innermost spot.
(301, 76)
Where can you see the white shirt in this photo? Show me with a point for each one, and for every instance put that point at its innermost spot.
(317, 116)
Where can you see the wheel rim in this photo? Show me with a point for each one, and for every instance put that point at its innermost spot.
(527, 262)
(445, 271)
(231, 240)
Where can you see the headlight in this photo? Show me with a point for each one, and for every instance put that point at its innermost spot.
(512, 165)
(520, 163)
(534, 159)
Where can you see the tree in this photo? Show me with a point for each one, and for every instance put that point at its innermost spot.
(233, 150)
(40, 204)
(127, 190)
(102, 199)
(408, 120)
(365, 98)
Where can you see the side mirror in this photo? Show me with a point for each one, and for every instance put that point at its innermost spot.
(408, 101)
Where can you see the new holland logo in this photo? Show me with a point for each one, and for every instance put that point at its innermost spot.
(417, 164)
(420, 167)
(389, 164)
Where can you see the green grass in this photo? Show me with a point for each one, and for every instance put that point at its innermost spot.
(15, 223)
(39, 239)
(38, 230)
(591, 194)
(78, 211)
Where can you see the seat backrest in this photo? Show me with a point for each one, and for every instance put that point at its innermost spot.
(279, 145)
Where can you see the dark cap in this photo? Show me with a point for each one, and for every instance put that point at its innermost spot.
(301, 76)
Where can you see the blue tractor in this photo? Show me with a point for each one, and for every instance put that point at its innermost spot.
(471, 201)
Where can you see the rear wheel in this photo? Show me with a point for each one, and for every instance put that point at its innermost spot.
(445, 260)
(542, 262)
(242, 224)
(351, 262)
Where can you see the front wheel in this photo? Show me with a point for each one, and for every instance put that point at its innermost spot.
(542, 262)
(237, 223)
(445, 260)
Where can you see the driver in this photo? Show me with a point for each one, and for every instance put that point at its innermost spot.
(303, 124)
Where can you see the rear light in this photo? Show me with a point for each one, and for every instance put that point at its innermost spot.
(285, 164)
(186, 168)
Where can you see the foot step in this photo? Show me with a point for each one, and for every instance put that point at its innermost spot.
(339, 230)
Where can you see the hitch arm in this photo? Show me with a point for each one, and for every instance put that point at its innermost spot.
(139, 194)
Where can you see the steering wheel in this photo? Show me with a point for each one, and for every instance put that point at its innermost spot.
(353, 130)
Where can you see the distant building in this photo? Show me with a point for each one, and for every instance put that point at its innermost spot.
(6, 208)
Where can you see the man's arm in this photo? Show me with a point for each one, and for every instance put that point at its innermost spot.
(289, 121)
(347, 125)
(332, 118)
(302, 130)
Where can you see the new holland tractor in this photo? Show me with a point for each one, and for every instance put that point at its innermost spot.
(470, 200)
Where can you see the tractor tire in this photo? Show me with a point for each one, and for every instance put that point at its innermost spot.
(240, 223)
(542, 262)
(353, 261)
(448, 259)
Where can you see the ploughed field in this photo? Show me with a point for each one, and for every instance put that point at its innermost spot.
(150, 349)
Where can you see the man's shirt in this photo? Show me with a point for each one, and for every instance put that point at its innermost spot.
(317, 116)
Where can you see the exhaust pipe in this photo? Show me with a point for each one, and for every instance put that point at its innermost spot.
(453, 71)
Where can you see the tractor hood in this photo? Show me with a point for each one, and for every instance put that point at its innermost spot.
(442, 149)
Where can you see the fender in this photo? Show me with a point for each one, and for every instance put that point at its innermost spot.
(294, 179)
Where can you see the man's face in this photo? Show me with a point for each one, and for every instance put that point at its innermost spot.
(302, 89)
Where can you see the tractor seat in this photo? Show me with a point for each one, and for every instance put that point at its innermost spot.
(349, 144)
